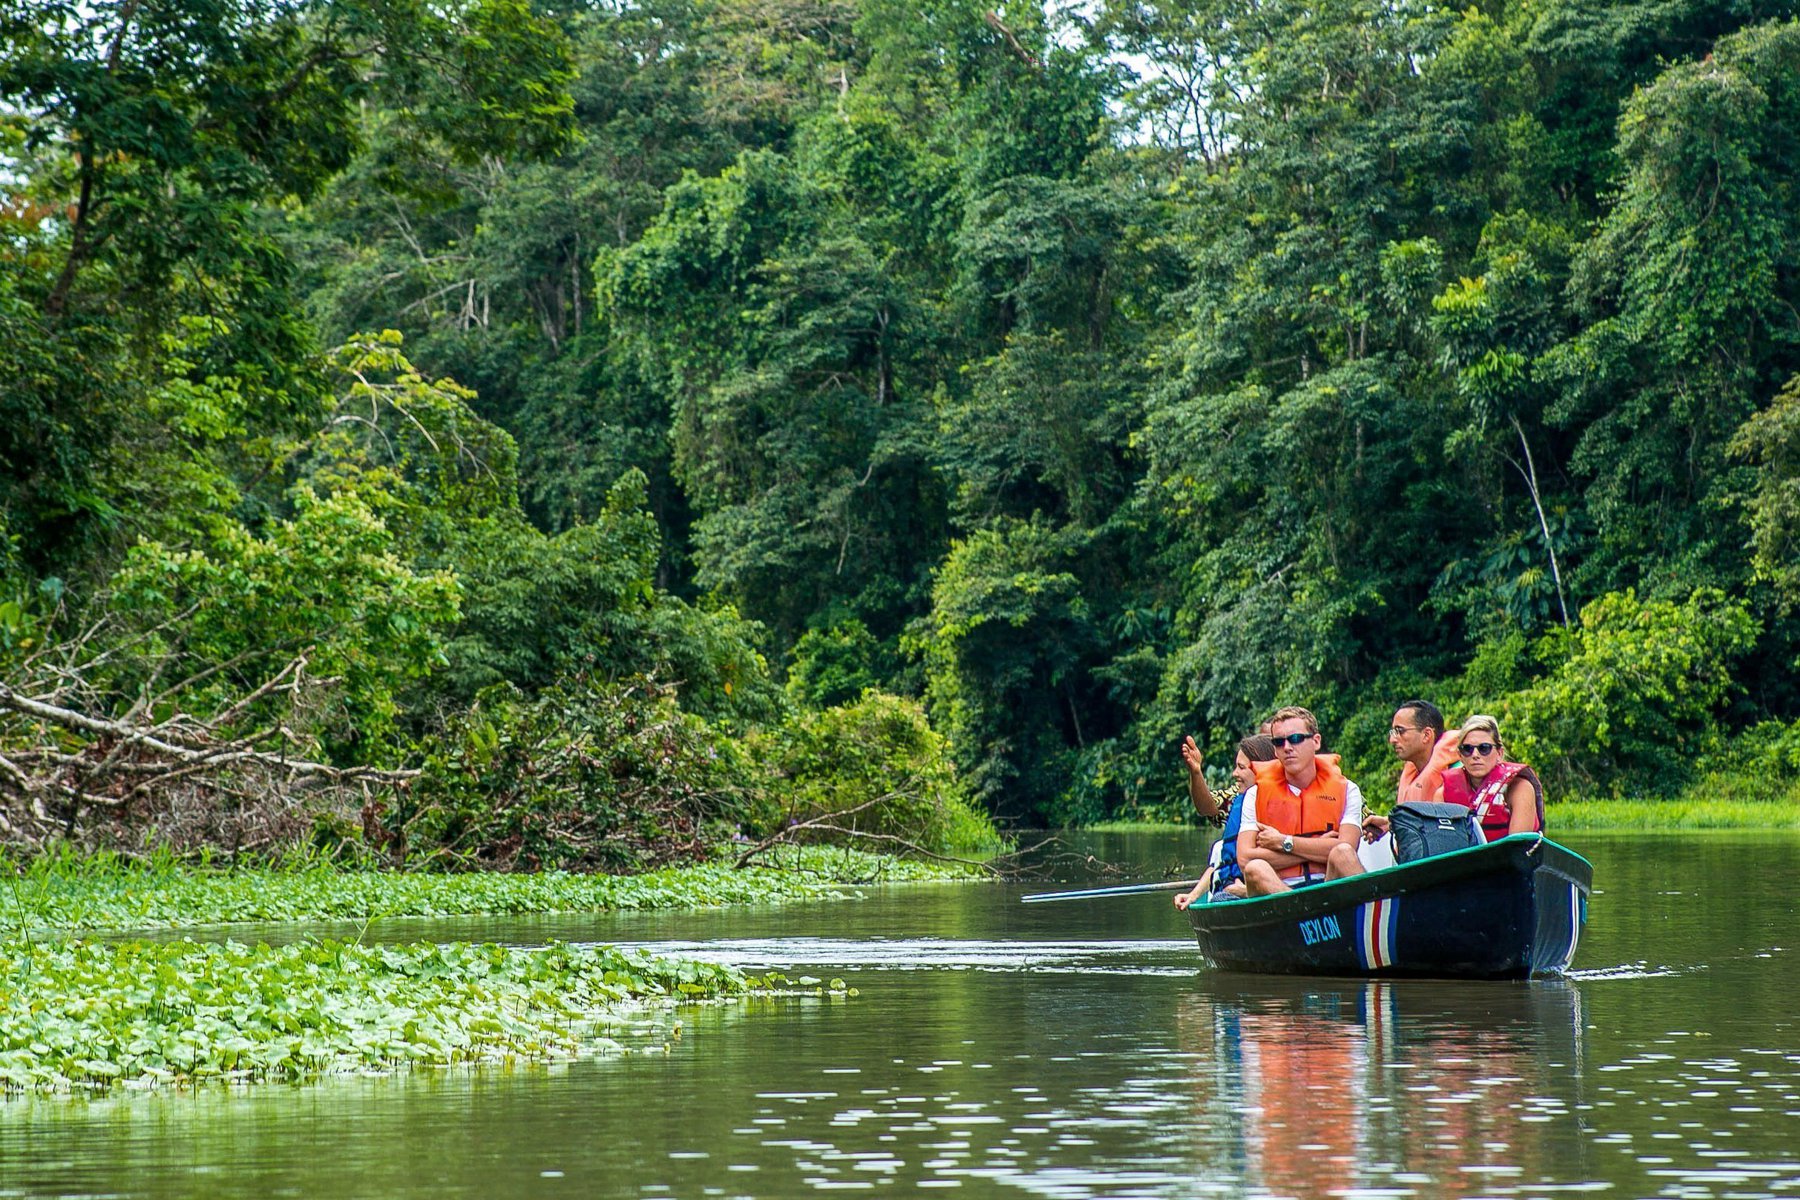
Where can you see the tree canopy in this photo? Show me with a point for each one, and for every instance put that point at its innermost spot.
(1078, 378)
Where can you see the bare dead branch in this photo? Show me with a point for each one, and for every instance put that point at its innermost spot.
(789, 830)
(296, 668)
(185, 754)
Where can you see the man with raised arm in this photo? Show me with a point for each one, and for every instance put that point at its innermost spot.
(1416, 737)
(1303, 820)
(1417, 728)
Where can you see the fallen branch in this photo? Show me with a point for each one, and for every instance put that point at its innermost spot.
(233, 752)
(787, 831)
(1001, 866)
(888, 839)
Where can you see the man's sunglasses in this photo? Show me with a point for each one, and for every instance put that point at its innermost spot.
(1472, 749)
(1292, 739)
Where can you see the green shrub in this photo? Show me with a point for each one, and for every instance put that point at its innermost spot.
(836, 665)
(1111, 772)
(587, 774)
(1768, 750)
(1633, 692)
(537, 607)
(327, 583)
(873, 768)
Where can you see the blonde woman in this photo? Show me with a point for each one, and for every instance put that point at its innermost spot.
(1506, 797)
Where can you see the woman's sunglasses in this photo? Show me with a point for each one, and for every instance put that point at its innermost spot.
(1472, 749)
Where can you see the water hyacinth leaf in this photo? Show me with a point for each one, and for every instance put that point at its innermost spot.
(348, 1008)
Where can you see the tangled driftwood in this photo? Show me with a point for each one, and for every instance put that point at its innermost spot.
(64, 770)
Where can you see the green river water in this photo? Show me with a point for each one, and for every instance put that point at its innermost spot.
(1059, 1050)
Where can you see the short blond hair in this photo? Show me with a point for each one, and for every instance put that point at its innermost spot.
(1480, 722)
(1294, 712)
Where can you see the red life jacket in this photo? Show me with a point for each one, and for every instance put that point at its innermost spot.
(1489, 801)
(1317, 810)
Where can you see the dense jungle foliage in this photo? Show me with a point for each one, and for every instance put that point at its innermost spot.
(519, 434)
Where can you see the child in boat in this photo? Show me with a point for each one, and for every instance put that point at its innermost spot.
(1222, 873)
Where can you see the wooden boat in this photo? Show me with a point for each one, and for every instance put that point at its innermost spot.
(1510, 909)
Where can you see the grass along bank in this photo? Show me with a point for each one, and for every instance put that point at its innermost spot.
(1146, 826)
(76, 893)
(1683, 814)
(100, 1015)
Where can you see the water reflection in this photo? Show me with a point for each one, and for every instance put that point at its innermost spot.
(1332, 1088)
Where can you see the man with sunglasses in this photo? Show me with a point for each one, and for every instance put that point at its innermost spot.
(1303, 820)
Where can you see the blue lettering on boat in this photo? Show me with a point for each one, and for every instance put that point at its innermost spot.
(1320, 929)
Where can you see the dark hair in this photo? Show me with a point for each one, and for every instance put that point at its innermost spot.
(1257, 748)
(1429, 715)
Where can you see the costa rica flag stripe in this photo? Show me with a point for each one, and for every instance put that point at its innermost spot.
(1375, 932)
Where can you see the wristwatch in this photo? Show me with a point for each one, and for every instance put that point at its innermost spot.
(1287, 845)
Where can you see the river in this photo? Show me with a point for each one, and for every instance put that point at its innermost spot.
(1060, 1050)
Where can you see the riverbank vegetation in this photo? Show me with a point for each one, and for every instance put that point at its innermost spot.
(65, 894)
(1715, 811)
(505, 436)
(80, 1013)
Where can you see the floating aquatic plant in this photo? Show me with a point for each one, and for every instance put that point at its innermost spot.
(93, 1015)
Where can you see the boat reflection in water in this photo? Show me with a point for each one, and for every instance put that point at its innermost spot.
(1442, 1088)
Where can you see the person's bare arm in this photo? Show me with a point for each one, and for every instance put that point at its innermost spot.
(1267, 846)
(1205, 803)
(1430, 783)
(1200, 889)
(1315, 849)
(1249, 848)
(1521, 798)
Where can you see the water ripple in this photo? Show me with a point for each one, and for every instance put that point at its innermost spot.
(1637, 970)
(1137, 957)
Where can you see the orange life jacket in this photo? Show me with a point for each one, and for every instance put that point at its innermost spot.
(1316, 811)
(1294, 1064)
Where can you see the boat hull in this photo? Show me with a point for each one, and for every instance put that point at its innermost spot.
(1508, 910)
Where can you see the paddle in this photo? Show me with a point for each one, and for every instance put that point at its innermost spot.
(1096, 893)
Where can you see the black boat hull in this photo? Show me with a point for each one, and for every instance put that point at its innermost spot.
(1508, 910)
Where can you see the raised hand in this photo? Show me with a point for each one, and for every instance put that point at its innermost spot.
(1190, 754)
(1445, 752)
(1429, 784)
